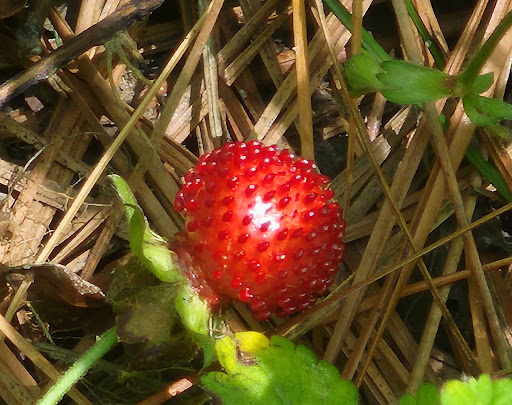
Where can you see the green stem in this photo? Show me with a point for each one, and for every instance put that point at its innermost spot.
(366, 38)
(430, 42)
(79, 368)
(475, 66)
(470, 73)
(466, 78)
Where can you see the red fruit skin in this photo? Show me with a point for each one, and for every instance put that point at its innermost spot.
(261, 228)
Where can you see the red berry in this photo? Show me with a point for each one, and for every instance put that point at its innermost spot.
(270, 234)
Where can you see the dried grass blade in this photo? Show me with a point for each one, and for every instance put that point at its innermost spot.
(235, 68)
(434, 317)
(211, 14)
(302, 71)
(105, 159)
(37, 358)
(211, 78)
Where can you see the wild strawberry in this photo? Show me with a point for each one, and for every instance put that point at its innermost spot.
(261, 228)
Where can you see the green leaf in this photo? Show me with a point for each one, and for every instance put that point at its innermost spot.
(467, 84)
(149, 247)
(408, 399)
(406, 83)
(242, 383)
(483, 391)
(399, 81)
(502, 392)
(277, 373)
(427, 394)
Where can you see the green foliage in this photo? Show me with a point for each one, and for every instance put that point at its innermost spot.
(404, 83)
(277, 372)
(485, 111)
(427, 394)
(496, 109)
(137, 299)
(483, 391)
(260, 372)
(196, 315)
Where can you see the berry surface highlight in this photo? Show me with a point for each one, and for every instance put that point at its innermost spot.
(261, 228)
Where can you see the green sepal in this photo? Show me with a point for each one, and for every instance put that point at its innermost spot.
(494, 108)
(149, 247)
(361, 73)
(483, 83)
(477, 118)
(196, 316)
(485, 111)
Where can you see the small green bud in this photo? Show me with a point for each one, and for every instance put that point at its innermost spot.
(406, 83)
(361, 72)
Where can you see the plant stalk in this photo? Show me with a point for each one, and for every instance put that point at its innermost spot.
(103, 344)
